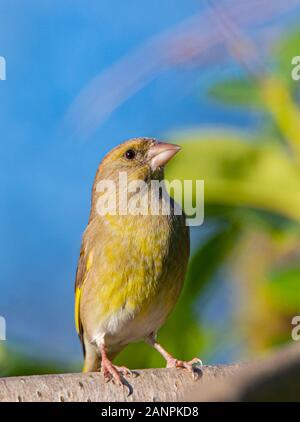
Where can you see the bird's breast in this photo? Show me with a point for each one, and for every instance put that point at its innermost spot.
(138, 271)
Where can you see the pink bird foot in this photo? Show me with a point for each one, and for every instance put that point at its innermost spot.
(193, 366)
(114, 372)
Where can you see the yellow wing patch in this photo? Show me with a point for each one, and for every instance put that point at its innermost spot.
(77, 305)
(78, 291)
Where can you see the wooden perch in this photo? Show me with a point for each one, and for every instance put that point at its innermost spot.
(277, 378)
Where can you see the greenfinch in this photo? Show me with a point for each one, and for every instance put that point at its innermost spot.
(131, 268)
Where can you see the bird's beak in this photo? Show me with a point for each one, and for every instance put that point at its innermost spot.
(161, 153)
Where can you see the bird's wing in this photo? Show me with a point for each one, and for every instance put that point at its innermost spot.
(84, 265)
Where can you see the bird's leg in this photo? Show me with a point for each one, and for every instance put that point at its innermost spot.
(192, 366)
(114, 372)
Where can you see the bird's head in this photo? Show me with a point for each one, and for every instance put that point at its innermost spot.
(141, 158)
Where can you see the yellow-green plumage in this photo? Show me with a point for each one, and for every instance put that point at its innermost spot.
(131, 268)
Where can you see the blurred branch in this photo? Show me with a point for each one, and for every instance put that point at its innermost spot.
(184, 43)
(275, 94)
(284, 111)
(241, 47)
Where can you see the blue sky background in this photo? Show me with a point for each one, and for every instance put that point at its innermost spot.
(52, 49)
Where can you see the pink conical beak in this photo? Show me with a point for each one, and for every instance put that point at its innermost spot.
(161, 153)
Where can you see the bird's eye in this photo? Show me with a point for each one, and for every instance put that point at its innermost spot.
(130, 154)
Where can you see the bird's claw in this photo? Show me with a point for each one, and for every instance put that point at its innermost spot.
(123, 370)
(193, 366)
(116, 374)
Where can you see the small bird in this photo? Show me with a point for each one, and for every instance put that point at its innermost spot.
(131, 268)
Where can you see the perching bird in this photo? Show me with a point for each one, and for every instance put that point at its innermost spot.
(131, 267)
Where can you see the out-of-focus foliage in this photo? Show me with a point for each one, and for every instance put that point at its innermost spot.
(238, 170)
(237, 92)
(259, 171)
(13, 363)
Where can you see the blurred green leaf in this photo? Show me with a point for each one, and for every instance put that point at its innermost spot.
(284, 289)
(237, 92)
(16, 363)
(283, 51)
(207, 260)
(238, 172)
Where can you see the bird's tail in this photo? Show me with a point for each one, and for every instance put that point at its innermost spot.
(92, 360)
